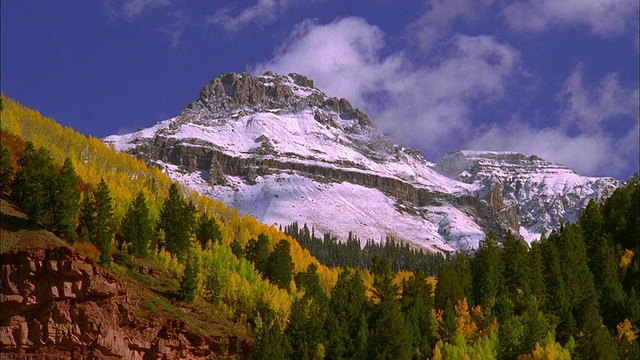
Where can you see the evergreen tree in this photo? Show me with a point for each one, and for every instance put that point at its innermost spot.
(177, 220)
(6, 171)
(417, 306)
(272, 343)
(104, 221)
(136, 227)
(66, 200)
(86, 229)
(536, 277)
(516, 272)
(487, 269)
(346, 325)
(257, 251)
(208, 230)
(236, 248)
(33, 183)
(189, 282)
(390, 338)
(279, 268)
(558, 303)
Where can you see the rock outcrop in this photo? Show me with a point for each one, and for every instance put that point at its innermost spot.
(58, 304)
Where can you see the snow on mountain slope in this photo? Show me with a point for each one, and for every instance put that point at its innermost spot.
(543, 194)
(279, 149)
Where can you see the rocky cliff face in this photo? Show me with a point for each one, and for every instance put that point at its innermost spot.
(279, 149)
(59, 304)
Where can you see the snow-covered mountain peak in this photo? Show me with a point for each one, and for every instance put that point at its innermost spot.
(234, 95)
(277, 148)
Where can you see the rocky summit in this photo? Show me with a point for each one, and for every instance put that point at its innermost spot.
(279, 149)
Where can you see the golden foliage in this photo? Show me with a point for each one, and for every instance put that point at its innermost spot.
(626, 328)
(625, 260)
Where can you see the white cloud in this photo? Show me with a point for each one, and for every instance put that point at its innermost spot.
(590, 107)
(263, 12)
(129, 9)
(603, 18)
(596, 154)
(427, 107)
(436, 22)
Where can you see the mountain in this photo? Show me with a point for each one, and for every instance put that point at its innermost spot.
(276, 147)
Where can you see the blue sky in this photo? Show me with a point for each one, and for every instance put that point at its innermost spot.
(558, 79)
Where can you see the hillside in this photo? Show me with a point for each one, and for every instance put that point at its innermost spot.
(59, 303)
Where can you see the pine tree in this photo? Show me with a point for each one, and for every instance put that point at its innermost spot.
(257, 251)
(346, 325)
(6, 171)
(189, 282)
(86, 229)
(104, 221)
(516, 272)
(66, 200)
(177, 220)
(487, 269)
(33, 183)
(417, 306)
(279, 268)
(390, 338)
(208, 230)
(136, 226)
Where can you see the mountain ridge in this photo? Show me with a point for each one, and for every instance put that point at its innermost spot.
(277, 148)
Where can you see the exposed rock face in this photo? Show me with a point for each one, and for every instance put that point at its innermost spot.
(277, 148)
(59, 304)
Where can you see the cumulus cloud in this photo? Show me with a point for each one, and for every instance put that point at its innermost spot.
(427, 107)
(603, 18)
(263, 12)
(590, 107)
(581, 138)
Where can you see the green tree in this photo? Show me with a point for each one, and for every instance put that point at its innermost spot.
(279, 269)
(66, 202)
(104, 221)
(487, 269)
(257, 251)
(86, 229)
(33, 184)
(6, 171)
(136, 226)
(516, 270)
(189, 282)
(417, 306)
(390, 338)
(208, 230)
(346, 325)
(177, 220)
